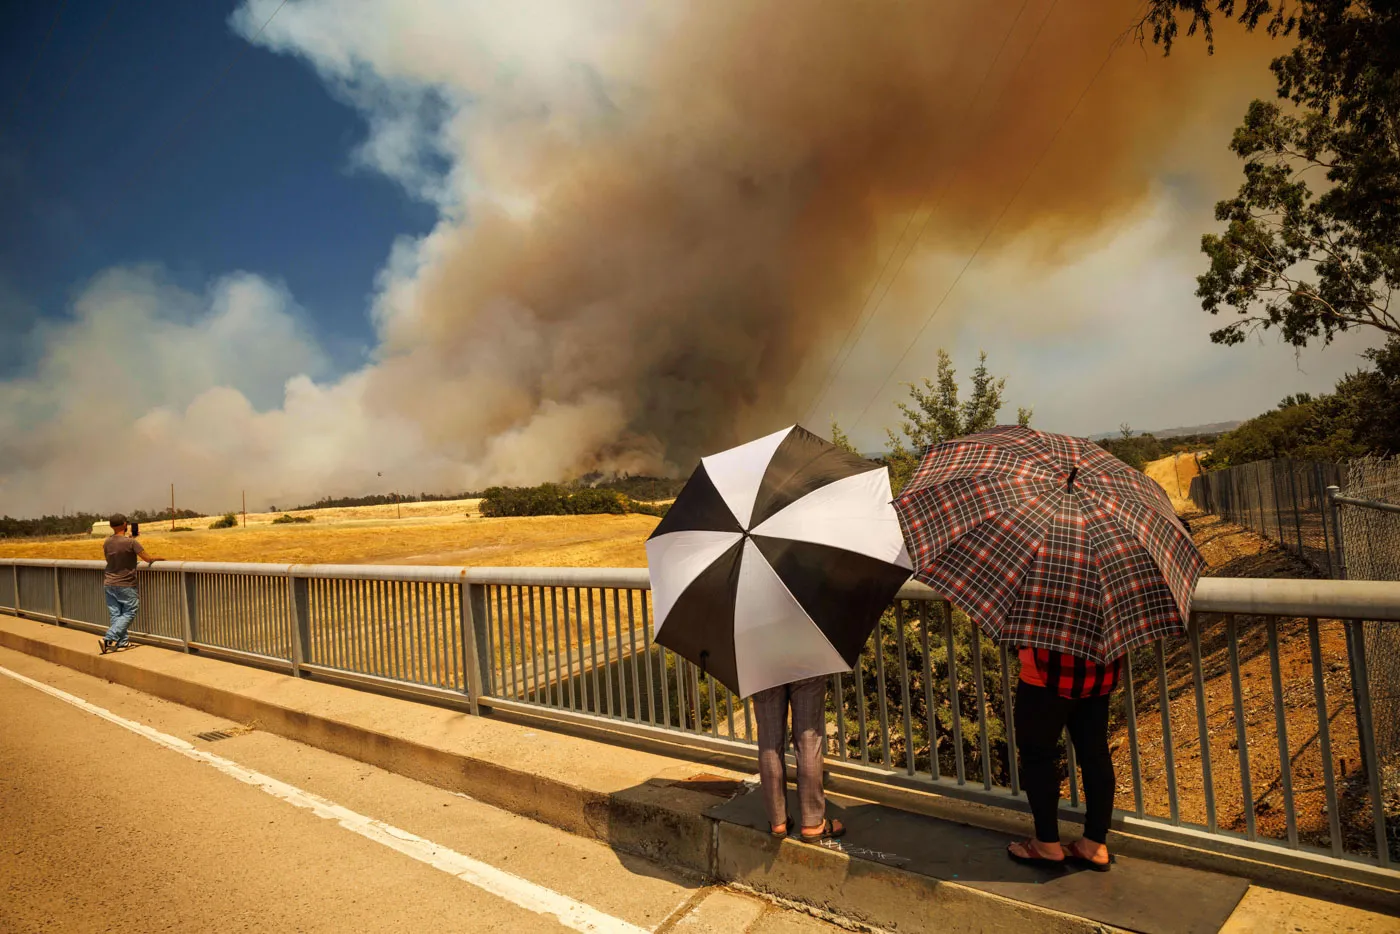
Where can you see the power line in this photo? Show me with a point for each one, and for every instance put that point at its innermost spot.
(924, 226)
(1113, 48)
(34, 65)
(188, 115)
(842, 354)
(87, 52)
(83, 59)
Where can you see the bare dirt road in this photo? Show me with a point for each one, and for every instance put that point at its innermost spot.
(138, 825)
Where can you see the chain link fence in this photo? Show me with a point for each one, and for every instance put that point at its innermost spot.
(1371, 551)
(1358, 538)
(1283, 500)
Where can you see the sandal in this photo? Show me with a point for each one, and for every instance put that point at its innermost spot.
(830, 831)
(1072, 855)
(1031, 859)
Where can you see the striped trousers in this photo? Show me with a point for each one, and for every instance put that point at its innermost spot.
(807, 701)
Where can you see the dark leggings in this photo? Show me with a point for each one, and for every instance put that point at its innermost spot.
(1041, 717)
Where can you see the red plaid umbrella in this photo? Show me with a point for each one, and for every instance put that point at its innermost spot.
(1050, 542)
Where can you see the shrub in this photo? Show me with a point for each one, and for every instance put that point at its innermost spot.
(588, 502)
(1134, 450)
(550, 499)
(652, 509)
(285, 519)
(544, 500)
(1360, 417)
(228, 521)
(182, 528)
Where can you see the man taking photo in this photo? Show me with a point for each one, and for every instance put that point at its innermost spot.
(122, 553)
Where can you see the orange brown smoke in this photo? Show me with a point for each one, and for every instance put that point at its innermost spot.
(715, 227)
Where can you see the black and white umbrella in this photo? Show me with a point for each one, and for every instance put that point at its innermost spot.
(776, 561)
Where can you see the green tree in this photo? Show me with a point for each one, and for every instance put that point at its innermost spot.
(1377, 409)
(936, 413)
(841, 440)
(1360, 416)
(1310, 261)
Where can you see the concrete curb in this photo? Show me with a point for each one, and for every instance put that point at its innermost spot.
(654, 819)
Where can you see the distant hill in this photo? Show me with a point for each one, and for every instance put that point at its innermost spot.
(1214, 428)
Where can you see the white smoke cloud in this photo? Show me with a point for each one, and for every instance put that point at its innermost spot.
(148, 383)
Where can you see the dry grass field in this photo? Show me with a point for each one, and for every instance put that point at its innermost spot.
(451, 508)
(350, 536)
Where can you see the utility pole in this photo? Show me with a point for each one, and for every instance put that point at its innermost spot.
(172, 507)
(245, 509)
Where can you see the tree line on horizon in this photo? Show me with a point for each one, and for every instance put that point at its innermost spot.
(81, 523)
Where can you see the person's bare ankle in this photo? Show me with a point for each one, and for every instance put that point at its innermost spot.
(1091, 849)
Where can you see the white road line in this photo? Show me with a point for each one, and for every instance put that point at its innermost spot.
(572, 914)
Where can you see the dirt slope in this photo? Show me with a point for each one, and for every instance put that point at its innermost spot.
(1233, 551)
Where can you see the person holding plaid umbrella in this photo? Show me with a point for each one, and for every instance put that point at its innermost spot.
(1054, 546)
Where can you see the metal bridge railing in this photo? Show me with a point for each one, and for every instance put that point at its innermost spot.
(1254, 736)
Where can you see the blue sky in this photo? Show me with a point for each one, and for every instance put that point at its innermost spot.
(116, 153)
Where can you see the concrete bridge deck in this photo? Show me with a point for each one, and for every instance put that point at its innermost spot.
(643, 828)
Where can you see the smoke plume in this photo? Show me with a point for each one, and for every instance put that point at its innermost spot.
(658, 221)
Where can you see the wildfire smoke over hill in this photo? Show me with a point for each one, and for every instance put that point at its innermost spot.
(657, 224)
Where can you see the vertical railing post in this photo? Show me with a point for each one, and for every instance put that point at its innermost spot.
(189, 612)
(471, 598)
(299, 605)
(57, 600)
(14, 575)
(1360, 688)
(1366, 732)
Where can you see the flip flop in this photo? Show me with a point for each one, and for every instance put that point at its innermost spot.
(829, 831)
(1084, 862)
(1040, 861)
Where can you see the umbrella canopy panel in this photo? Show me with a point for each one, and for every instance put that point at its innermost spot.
(776, 560)
(1049, 541)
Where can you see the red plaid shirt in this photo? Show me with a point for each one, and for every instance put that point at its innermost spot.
(1070, 676)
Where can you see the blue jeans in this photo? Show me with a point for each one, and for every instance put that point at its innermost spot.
(122, 604)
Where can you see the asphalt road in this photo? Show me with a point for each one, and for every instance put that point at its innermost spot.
(103, 828)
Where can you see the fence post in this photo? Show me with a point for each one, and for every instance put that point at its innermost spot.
(471, 599)
(1334, 510)
(1278, 502)
(57, 600)
(1257, 509)
(1324, 512)
(298, 601)
(189, 616)
(1297, 516)
(14, 574)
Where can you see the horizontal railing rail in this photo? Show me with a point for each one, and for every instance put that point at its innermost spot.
(1254, 735)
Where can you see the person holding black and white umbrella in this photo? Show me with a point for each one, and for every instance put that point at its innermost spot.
(769, 572)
